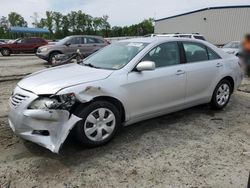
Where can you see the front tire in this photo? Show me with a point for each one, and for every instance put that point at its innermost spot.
(100, 122)
(52, 57)
(221, 95)
(5, 52)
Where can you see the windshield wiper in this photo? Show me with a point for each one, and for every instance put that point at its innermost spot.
(91, 65)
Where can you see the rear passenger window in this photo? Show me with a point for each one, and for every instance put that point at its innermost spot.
(212, 55)
(91, 40)
(195, 52)
(165, 54)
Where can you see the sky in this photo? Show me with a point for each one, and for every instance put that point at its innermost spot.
(120, 12)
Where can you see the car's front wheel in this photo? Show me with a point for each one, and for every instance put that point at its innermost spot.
(100, 122)
(52, 57)
(5, 52)
(221, 95)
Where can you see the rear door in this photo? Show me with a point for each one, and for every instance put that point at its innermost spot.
(203, 67)
(93, 44)
(31, 44)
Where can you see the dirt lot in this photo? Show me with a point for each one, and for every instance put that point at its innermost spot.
(197, 147)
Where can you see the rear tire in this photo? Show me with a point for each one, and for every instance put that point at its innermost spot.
(5, 52)
(221, 95)
(100, 122)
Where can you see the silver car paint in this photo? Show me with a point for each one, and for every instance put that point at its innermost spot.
(143, 94)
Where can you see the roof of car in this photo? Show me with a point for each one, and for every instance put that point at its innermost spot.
(86, 36)
(155, 39)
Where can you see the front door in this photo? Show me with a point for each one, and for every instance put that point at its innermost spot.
(160, 89)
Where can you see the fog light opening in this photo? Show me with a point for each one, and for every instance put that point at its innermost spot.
(41, 132)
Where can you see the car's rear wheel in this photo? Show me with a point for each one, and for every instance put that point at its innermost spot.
(100, 122)
(5, 52)
(221, 95)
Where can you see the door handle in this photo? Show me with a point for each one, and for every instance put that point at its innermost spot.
(180, 72)
(79, 46)
(219, 65)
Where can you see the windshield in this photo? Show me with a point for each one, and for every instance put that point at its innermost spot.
(115, 56)
(232, 45)
(63, 41)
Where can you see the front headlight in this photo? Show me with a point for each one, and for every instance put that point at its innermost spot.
(64, 102)
(45, 49)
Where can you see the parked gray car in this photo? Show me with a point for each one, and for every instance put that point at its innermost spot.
(69, 45)
(233, 47)
(124, 83)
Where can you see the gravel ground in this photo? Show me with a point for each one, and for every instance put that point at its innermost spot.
(197, 147)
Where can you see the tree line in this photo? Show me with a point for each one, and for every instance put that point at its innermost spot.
(73, 23)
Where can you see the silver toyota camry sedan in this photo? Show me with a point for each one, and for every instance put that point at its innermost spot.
(125, 82)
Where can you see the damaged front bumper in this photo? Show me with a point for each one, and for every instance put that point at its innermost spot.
(48, 128)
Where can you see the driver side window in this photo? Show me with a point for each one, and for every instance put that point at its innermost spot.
(165, 54)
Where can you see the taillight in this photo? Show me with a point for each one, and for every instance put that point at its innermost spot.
(107, 42)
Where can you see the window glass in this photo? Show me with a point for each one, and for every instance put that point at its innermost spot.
(212, 55)
(116, 55)
(195, 52)
(21, 41)
(90, 40)
(75, 40)
(99, 41)
(164, 55)
(31, 40)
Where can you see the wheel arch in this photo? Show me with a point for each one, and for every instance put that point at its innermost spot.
(55, 51)
(230, 80)
(116, 102)
(6, 48)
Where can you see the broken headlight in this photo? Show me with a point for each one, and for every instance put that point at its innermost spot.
(64, 102)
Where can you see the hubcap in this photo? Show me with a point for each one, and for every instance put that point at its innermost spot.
(5, 52)
(99, 124)
(223, 94)
(53, 60)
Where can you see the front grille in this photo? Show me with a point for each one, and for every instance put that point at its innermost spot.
(17, 99)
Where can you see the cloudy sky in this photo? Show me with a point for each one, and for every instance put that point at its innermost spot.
(121, 12)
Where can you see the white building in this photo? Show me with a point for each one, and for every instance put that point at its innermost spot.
(219, 25)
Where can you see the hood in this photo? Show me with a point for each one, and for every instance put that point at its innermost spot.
(47, 46)
(50, 81)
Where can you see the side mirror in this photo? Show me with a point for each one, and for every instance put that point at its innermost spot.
(67, 44)
(145, 66)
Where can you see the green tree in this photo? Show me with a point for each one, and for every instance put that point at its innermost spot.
(105, 24)
(35, 18)
(65, 25)
(48, 21)
(72, 21)
(97, 23)
(16, 19)
(57, 18)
